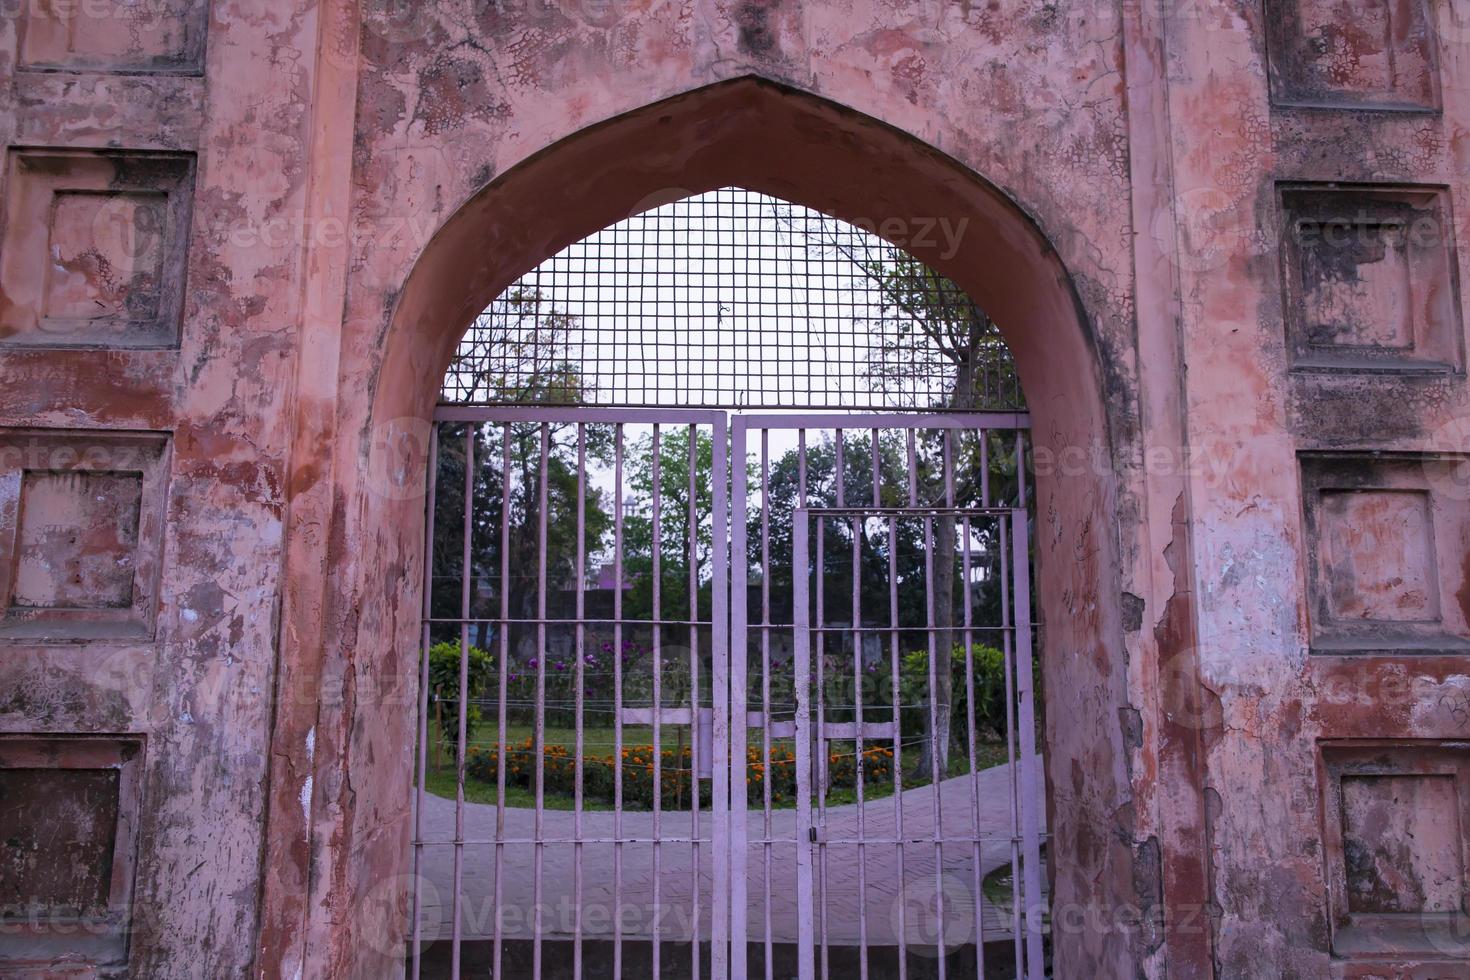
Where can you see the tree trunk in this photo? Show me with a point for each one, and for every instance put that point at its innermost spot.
(937, 720)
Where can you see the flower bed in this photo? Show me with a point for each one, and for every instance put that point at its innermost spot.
(599, 773)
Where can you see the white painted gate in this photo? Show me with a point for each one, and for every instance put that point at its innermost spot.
(692, 741)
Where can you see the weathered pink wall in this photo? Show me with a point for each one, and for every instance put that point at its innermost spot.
(1236, 727)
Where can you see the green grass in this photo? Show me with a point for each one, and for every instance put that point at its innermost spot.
(999, 886)
(442, 783)
(441, 779)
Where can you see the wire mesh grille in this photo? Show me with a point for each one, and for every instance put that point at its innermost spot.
(734, 299)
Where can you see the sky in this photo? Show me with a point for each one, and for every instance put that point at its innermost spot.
(728, 299)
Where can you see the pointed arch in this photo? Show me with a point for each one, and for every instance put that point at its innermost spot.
(811, 151)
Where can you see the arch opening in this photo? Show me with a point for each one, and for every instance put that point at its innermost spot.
(856, 169)
(578, 555)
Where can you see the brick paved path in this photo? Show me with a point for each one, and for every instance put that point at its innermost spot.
(880, 897)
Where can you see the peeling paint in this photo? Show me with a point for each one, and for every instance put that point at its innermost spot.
(1214, 617)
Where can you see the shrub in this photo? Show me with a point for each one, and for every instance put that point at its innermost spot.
(990, 692)
(599, 773)
(444, 661)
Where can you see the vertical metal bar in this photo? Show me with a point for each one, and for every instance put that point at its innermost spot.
(975, 824)
(580, 574)
(694, 710)
(503, 672)
(999, 529)
(896, 694)
(985, 467)
(767, 768)
(948, 448)
(1012, 708)
(1026, 720)
(658, 654)
(931, 631)
(1008, 639)
(857, 698)
(801, 650)
(819, 565)
(423, 753)
(464, 682)
(723, 618)
(542, 521)
(617, 903)
(735, 719)
(1021, 473)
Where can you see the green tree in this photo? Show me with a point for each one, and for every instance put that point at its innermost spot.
(680, 542)
(928, 328)
(517, 353)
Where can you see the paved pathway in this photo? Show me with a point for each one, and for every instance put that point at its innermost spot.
(880, 896)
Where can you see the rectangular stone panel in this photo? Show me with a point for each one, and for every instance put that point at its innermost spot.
(113, 35)
(1395, 817)
(81, 523)
(1369, 279)
(1378, 555)
(94, 248)
(68, 847)
(1357, 296)
(103, 263)
(77, 540)
(58, 832)
(1353, 53)
(1401, 843)
(1388, 536)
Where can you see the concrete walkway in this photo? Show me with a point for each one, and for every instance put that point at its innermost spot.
(874, 885)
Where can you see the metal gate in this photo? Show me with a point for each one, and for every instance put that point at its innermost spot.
(680, 689)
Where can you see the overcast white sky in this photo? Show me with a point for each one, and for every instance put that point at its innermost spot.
(715, 300)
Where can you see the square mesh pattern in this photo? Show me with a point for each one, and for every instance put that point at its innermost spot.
(734, 299)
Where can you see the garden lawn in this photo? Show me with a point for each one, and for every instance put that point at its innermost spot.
(441, 779)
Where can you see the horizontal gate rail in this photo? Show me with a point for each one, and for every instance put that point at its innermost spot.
(989, 421)
(591, 416)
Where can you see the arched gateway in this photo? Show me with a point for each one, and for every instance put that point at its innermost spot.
(240, 242)
(779, 141)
